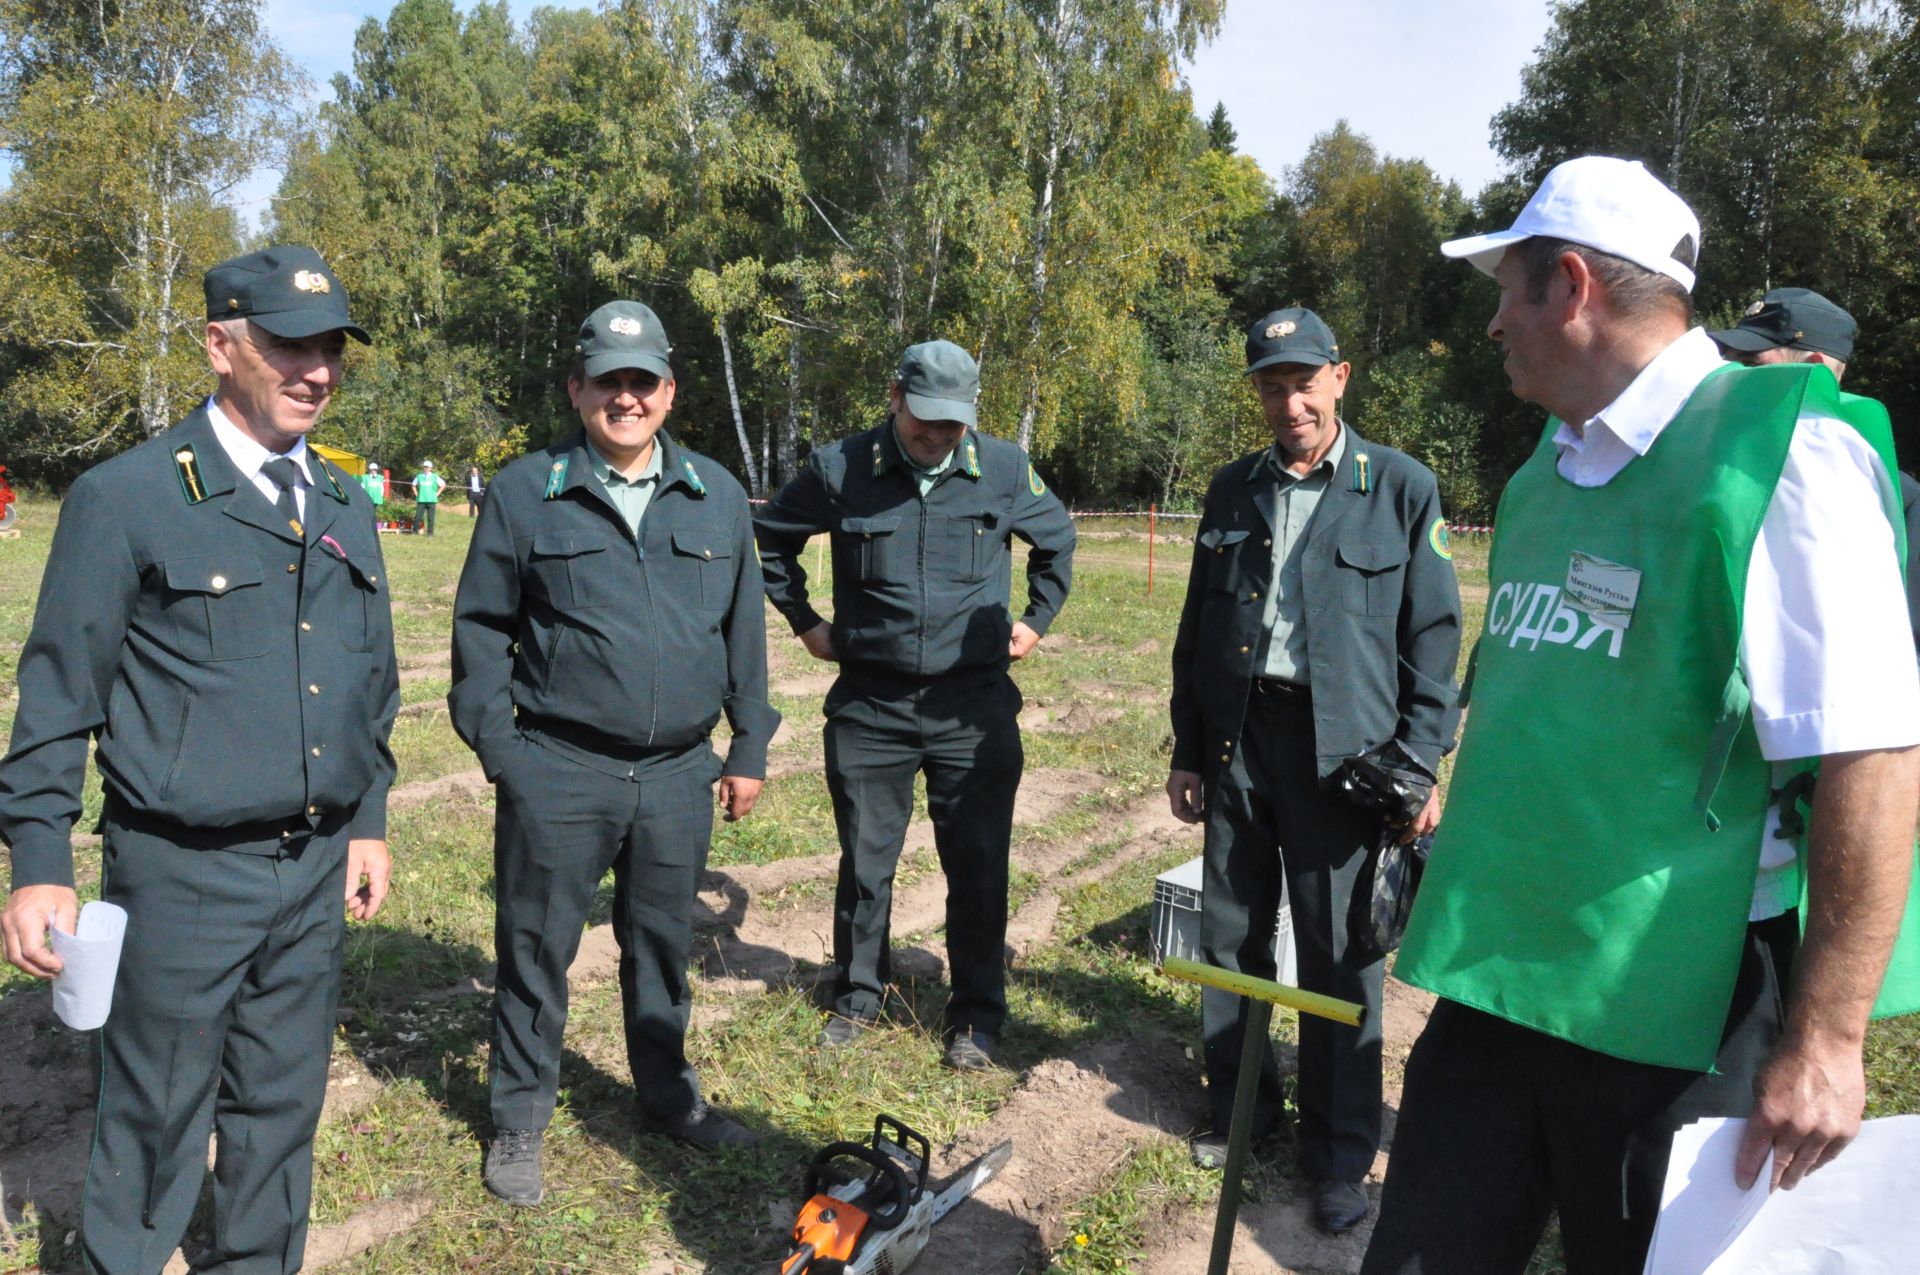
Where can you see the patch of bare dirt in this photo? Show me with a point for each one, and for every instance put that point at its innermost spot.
(332, 1246)
(805, 685)
(1068, 719)
(1073, 1121)
(46, 1110)
(463, 785)
(1152, 829)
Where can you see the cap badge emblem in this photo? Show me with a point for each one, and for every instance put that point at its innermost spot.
(1286, 327)
(624, 326)
(311, 281)
(1756, 308)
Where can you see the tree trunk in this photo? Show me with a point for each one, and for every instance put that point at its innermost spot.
(790, 423)
(754, 484)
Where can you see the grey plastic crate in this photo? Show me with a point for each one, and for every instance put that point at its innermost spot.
(1174, 924)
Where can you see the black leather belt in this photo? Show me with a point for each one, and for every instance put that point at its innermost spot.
(1282, 692)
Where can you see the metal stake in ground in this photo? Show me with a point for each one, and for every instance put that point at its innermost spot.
(1264, 994)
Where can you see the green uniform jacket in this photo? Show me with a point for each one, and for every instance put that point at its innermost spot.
(1382, 613)
(562, 618)
(920, 586)
(232, 674)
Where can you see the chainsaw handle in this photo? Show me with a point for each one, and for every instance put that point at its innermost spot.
(800, 1263)
(886, 1168)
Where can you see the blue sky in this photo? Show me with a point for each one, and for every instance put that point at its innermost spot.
(1422, 80)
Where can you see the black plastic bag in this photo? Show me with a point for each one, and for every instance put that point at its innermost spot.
(1383, 894)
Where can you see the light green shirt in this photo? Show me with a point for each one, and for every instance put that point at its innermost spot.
(1291, 504)
(426, 488)
(629, 495)
(926, 477)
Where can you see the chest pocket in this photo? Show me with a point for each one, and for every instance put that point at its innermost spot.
(1223, 549)
(973, 544)
(572, 569)
(218, 607)
(875, 544)
(706, 555)
(1372, 577)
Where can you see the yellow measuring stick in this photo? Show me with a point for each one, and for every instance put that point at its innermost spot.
(1265, 989)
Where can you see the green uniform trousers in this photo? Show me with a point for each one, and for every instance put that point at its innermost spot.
(1267, 818)
(560, 825)
(423, 512)
(964, 733)
(223, 1016)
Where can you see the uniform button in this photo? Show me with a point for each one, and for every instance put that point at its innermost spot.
(373, 579)
(292, 567)
(218, 582)
(313, 688)
(1224, 757)
(1245, 649)
(305, 627)
(285, 836)
(316, 750)
(313, 810)
(978, 532)
(1267, 544)
(1254, 596)
(707, 552)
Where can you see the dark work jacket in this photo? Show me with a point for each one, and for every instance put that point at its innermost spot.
(567, 623)
(1382, 613)
(920, 586)
(233, 674)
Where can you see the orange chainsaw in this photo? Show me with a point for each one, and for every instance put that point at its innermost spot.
(868, 1209)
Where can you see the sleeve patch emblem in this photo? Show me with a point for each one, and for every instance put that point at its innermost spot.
(1034, 484)
(1437, 537)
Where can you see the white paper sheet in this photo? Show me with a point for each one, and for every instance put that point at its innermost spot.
(89, 957)
(1856, 1216)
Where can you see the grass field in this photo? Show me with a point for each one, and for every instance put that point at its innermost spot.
(1099, 1080)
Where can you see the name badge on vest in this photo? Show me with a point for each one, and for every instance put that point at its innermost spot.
(1604, 590)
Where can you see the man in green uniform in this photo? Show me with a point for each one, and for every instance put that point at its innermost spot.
(214, 614)
(1695, 577)
(426, 497)
(1322, 621)
(375, 484)
(609, 612)
(921, 509)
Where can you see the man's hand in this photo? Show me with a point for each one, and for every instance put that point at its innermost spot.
(368, 871)
(25, 925)
(737, 795)
(1426, 821)
(819, 641)
(1807, 1103)
(1183, 795)
(1021, 644)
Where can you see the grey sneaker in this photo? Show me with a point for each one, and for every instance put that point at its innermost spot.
(841, 1030)
(513, 1166)
(703, 1127)
(969, 1051)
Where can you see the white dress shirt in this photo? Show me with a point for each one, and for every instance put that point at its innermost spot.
(250, 458)
(1826, 649)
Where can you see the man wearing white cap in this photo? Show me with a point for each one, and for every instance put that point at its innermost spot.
(1694, 549)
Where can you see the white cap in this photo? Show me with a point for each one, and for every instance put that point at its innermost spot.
(1613, 206)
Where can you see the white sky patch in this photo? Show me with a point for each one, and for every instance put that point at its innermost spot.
(1423, 81)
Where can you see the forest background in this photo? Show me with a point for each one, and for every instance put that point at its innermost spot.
(800, 188)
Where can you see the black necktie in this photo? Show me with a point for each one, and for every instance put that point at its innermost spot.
(285, 473)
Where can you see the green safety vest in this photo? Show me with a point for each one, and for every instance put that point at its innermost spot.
(1596, 868)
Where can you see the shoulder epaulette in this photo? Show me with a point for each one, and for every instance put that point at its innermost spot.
(187, 465)
(1362, 473)
(556, 478)
(339, 492)
(693, 478)
(879, 459)
(973, 459)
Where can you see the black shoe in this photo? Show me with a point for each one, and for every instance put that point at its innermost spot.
(841, 1030)
(1209, 1150)
(703, 1127)
(969, 1050)
(1338, 1207)
(513, 1166)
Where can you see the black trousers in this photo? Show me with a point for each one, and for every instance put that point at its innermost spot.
(965, 735)
(423, 513)
(1501, 1125)
(559, 827)
(1269, 820)
(222, 1020)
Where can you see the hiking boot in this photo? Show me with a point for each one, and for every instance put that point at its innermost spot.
(969, 1050)
(1338, 1207)
(841, 1030)
(703, 1127)
(513, 1166)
